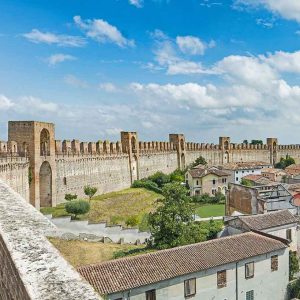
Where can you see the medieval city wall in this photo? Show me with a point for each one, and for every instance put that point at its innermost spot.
(291, 150)
(14, 171)
(149, 163)
(106, 172)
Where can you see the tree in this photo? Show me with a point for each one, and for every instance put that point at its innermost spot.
(177, 175)
(256, 142)
(77, 207)
(245, 142)
(199, 161)
(294, 264)
(285, 162)
(70, 197)
(90, 191)
(172, 224)
(218, 198)
(160, 179)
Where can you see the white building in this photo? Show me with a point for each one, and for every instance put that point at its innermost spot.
(248, 266)
(241, 169)
(280, 223)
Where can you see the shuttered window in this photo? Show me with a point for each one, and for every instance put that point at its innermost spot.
(190, 287)
(274, 263)
(221, 279)
(151, 295)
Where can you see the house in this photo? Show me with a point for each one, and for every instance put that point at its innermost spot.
(243, 266)
(292, 174)
(240, 169)
(257, 179)
(259, 199)
(273, 174)
(281, 223)
(203, 180)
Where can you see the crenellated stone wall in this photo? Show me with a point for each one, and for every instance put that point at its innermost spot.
(60, 167)
(15, 172)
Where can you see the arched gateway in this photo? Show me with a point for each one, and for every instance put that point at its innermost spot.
(45, 185)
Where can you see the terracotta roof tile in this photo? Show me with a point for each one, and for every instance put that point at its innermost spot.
(269, 220)
(132, 272)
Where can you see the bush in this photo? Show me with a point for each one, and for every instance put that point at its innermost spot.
(77, 207)
(147, 184)
(177, 176)
(160, 179)
(90, 191)
(205, 198)
(294, 289)
(132, 221)
(218, 198)
(70, 197)
(294, 264)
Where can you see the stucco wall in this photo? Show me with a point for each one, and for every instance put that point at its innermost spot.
(107, 173)
(267, 285)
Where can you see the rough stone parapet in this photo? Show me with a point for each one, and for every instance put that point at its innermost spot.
(33, 269)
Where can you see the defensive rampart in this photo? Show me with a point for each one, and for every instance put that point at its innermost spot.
(60, 167)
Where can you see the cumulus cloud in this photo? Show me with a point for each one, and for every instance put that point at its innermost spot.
(59, 58)
(288, 9)
(137, 3)
(38, 37)
(192, 45)
(103, 32)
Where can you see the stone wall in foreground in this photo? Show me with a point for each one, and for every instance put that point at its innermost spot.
(30, 267)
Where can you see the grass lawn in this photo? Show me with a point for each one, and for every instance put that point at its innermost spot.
(210, 210)
(79, 253)
(116, 207)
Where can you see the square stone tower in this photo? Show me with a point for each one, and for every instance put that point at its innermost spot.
(37, 141)
(179, 141)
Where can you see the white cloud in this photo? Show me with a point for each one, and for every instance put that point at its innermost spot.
(137, 3)
(103, 32)
(5, 103)
(38, 37)
(59, 58)
(191, 45)
(284, 61)
(36, 105)
(113, 131)
(288, 9)
(74, 81)
(108, 87)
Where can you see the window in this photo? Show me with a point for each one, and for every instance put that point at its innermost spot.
(250, 295)
(197, 182)
(236, 179)
(190, 287)
(252, 171)
(289, 234)
(221, 279)
(243, 172)
(151, 295)
(249, 270)
(213, 191)
(237, 172)
(274, 263)
(224, 180)
(65, 181)
(214, 181)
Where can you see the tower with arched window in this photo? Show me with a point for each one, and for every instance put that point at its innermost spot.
(37, 140)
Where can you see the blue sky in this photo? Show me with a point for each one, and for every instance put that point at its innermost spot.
(206, 68)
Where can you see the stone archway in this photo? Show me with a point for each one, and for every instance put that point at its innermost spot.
(133, 144)
(226, 157)
(45, 143)
(45, 185)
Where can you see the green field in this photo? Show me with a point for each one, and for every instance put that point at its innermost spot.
(210, 210)
(116, 207)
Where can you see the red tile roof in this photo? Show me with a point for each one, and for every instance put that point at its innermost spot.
(132, 272)
(269, 220)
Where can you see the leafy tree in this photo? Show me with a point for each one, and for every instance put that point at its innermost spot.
(77, 207)
(294, 264)
(132, 221)
(245, 142)
(285, 162)
(70, 197)
(256, 142)
(199, 161)
(177, 175)
(204, 198)
(90, 191)
(172, 224)
(246, 182)
(160, 178)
